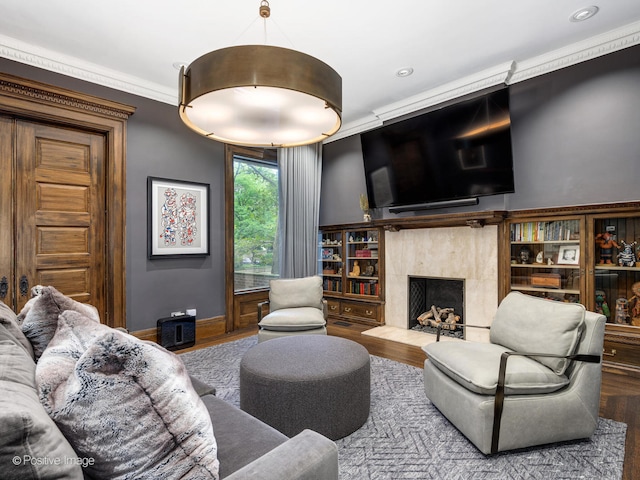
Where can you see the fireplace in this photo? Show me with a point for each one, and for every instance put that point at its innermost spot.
(436, 300)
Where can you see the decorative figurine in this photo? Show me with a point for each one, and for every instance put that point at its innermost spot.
(601, 304)
(622, 311)
(627, 258)
(606, 243)
(540, 257)
(356, 269)
(634, 305)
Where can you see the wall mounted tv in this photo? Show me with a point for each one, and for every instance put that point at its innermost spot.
(444, 157)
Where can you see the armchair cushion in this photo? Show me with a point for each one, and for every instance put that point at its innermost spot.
(295, 292)
(475, 366)
(293, 319)
(528, 324)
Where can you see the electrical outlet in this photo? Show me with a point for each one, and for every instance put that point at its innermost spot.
(191, 311)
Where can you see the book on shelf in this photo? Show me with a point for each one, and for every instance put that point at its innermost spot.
(557, 230)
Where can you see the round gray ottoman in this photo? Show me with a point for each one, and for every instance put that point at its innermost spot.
(307, 381)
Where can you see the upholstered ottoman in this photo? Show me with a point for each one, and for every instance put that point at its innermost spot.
(307, 381)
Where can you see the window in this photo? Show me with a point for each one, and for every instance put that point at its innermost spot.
(255, 220)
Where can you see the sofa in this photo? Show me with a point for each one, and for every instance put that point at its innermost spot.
(82, 400)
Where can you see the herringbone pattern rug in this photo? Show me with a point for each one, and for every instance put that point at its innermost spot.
(406, 437)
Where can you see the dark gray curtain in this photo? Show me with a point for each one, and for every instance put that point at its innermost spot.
(300, 177)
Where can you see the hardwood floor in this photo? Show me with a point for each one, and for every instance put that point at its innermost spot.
(619, 400)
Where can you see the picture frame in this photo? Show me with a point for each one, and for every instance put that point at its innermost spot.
(327, 253)
(177, 218)
(569, 255)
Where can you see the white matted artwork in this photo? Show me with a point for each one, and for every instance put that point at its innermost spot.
(177, 218)
(569, 255)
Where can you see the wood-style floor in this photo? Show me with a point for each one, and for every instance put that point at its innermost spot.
(619, 400)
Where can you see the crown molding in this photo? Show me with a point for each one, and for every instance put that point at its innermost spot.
(575, 53)
(509, 73)
(22, 52)
(487, 78)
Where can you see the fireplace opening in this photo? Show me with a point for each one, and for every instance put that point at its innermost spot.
(436, 300)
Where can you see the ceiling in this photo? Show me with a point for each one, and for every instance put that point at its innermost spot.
(454, 47)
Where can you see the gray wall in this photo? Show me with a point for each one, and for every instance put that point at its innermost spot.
(576, 135)
(159, 145)
(576, 140)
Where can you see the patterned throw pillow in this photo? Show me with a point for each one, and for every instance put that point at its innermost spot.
(126, 405)
(39, 316)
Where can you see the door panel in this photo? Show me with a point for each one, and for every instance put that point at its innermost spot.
(60, 236)
(6, 209)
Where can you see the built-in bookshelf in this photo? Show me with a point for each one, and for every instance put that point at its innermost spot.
(352, 268)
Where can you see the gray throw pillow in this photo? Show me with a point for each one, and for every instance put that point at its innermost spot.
(127, 404)
(533, 325)
(31, 445)
(39, 316)
(9, 320)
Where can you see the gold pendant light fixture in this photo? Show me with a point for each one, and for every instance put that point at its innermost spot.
(261, 96)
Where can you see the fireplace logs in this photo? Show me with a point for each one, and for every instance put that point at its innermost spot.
(439, 316)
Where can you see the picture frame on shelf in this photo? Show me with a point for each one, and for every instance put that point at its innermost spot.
(177, 218)
(569, 255)
(327, 253)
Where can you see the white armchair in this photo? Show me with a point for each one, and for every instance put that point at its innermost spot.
(296, 307)
(536, 382)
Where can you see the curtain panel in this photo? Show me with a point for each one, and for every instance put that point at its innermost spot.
(299, 211)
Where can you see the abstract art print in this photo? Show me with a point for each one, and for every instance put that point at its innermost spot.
(178, 218)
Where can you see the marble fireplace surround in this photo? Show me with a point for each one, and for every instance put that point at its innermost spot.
(442, 252)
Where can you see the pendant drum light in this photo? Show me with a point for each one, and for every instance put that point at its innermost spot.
(261, 96)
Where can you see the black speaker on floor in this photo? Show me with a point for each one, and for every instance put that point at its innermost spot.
(178, 332)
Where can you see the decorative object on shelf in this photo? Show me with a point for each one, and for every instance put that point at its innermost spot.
(524, 255)
(364, 206)
(634, 305)
(627, 257)
(568, 255)
(622, 311)
(327, 253)
(540, 257)
(355, 272)
(601, 304)
(605, 243)
(261, 96)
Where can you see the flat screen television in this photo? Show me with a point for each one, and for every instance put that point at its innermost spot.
(461, 151)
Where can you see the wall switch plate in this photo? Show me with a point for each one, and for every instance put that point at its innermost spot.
(191, 311)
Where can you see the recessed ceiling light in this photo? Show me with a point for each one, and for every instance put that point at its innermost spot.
(404, 72)
(583, 14)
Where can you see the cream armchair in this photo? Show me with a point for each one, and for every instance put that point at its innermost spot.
(296, 307)
(536, 382)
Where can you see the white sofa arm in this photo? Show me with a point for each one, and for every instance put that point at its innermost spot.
(307, 456)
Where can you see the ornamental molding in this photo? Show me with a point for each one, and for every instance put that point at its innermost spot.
(42, 94)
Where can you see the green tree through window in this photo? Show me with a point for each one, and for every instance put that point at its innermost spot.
(255, 186)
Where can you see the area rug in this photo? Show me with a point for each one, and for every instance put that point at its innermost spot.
(406, 437)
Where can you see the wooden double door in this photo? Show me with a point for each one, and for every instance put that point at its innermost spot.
(62, 195)
(53, 211)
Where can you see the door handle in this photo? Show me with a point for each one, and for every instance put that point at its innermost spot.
(24, 285)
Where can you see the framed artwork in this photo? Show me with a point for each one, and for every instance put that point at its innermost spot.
(327, 253)
(568, 255)
(177, 218)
